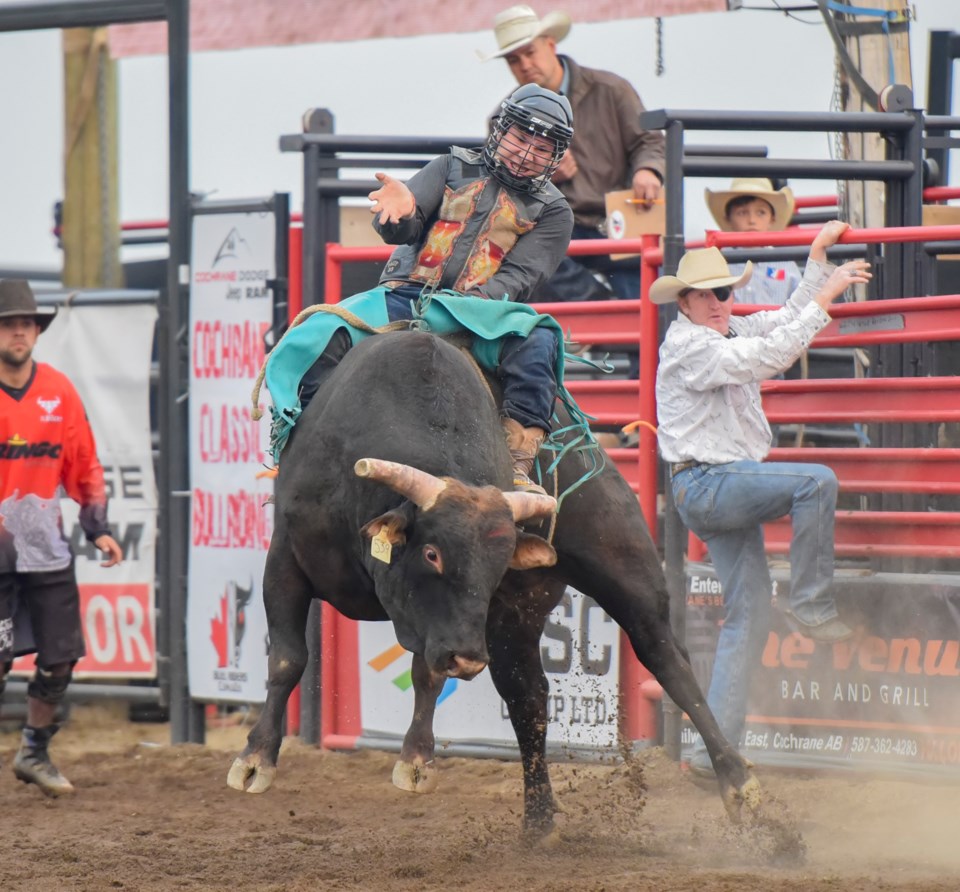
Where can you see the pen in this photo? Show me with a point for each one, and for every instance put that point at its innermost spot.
(644, 201)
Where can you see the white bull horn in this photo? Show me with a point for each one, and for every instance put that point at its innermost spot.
(529, 504)
(421, 488)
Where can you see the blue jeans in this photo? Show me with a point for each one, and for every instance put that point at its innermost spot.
(527, 370)
(726, 505)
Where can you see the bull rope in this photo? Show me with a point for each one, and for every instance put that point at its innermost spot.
(350, 318)
(553, 515)
(462, 341)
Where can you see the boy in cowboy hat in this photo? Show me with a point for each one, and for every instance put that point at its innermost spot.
(610, 150)
(714, 436)
(753, 205)
(45, 444)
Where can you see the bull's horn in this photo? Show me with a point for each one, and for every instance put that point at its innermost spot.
(421, 488)
(529, 504)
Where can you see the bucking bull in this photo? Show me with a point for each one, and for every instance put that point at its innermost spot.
(392, 503)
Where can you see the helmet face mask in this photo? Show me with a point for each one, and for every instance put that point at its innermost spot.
(529, 137)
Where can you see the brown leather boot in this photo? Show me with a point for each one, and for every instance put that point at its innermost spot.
(524, 444)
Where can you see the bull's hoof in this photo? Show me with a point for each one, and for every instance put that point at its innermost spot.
(748, 794)
(545, 837)
(249, 774)
(416, 776)
(542, 833)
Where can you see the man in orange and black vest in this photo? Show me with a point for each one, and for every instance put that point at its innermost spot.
(46, 447)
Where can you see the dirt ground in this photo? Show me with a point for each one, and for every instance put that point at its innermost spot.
(150, 816)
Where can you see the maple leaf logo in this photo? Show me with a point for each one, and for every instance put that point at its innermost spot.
(219, 634)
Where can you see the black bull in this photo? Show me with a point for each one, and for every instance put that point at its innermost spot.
(462, 585)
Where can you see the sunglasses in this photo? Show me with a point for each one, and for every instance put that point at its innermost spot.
(721, 294)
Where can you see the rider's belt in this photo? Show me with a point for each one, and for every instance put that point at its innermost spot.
(683, 466)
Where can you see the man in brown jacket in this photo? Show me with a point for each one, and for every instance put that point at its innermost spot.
(610, 150)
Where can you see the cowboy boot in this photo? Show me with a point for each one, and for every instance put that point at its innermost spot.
(524, 444)
(32, 763)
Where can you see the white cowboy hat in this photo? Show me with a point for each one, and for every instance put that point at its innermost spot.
(703, 268)
(781, 200)
(519, 25)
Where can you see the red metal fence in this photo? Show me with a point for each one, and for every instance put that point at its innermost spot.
(844, 400)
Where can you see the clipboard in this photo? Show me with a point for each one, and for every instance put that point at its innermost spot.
(626, 218)
(942, 215)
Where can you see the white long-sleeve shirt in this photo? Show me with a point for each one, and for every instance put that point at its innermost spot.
(708, 385)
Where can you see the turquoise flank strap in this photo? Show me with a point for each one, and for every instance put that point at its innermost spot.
(299, 349)
(489, 321)
(300, 346)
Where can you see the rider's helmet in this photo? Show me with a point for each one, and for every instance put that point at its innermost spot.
(529, 137)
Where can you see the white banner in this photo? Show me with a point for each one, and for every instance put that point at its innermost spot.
(105, 351)
(580, 650)
(231, 309)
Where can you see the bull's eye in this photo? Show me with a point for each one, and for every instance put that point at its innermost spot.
(432, 557)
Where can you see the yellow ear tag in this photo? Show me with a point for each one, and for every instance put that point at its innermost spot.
(380, 546)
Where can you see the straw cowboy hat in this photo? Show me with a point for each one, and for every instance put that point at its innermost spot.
(16, 299)
(519, 25)
(781, 200)
(703, 268)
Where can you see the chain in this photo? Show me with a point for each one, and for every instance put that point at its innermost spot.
(839, 149)
(660, 66)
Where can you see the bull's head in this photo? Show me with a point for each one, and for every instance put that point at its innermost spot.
(447, 549)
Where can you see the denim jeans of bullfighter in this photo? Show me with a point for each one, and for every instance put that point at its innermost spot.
(726, 505)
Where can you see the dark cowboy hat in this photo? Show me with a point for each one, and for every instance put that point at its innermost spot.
(16, 299)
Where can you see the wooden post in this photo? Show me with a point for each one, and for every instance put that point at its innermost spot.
(873, 55)
(91, 228)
